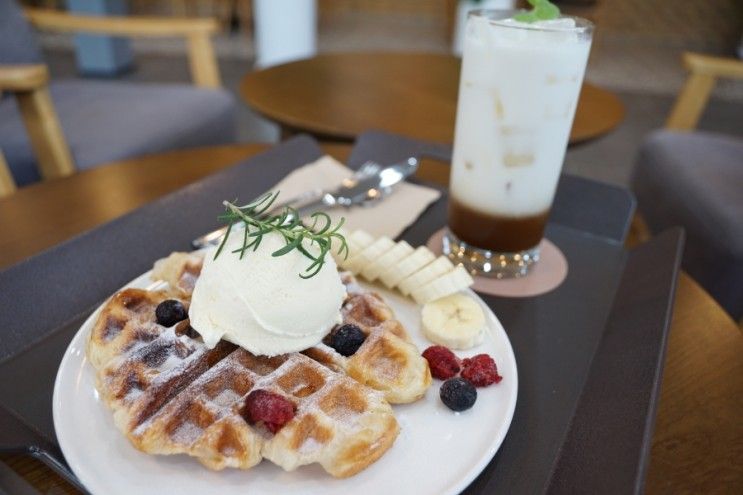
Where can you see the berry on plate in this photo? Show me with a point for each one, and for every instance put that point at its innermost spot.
(480, 370)
(442, 362)
(458, 394)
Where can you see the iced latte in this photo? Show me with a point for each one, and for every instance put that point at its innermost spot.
(518, 91)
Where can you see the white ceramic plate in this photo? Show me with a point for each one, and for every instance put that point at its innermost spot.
(437, 452)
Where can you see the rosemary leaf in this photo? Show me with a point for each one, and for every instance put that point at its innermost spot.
(257, 222)
(224, 240)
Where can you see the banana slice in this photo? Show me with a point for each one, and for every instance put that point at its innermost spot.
(357, 241)
(370, 254)
(455, 321)
(406, 266)
(372, 271)
(361, 238)
(429, 272)
(449, 283)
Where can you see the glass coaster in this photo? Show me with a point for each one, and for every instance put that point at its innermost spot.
(546, 275)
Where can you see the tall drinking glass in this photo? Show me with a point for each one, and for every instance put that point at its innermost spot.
(518, 90)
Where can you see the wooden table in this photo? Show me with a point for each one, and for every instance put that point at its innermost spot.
(698, 440)
(337, 96)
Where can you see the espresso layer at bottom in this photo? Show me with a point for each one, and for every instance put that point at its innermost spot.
(493, 232)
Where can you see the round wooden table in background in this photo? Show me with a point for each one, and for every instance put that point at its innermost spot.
(339, 95)
(698, 440)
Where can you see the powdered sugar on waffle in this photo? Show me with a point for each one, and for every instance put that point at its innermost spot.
(170, 394)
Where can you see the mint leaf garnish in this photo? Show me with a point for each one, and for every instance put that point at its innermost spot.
(543, 10)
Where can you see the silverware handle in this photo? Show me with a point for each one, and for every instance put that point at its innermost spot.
(306, 204)
(208, 239)
(297, 201)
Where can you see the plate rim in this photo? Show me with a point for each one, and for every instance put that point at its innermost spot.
(464, 480)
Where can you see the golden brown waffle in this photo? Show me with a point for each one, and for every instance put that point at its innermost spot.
(387, 361)
(170, 394)
(180, 271)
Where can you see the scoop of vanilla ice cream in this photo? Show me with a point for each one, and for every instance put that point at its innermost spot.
(261, 303)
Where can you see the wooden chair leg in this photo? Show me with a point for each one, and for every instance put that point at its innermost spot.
(639, 232)
(45, 133)
(704, 71)
(691, 102)
(202, 61)
(7, 184)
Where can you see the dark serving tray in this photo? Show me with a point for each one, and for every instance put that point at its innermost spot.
(589, 353)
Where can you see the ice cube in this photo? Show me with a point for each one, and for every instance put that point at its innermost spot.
(562, 23)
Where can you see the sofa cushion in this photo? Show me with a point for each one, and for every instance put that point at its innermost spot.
(696, 180)
(104, 121)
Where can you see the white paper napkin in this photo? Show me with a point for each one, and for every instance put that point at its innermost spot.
(389, 217)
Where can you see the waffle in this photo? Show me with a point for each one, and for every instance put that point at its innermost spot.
(387, 360)
(170, 394)
(180, 271)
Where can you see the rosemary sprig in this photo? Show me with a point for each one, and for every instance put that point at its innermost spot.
(288, 224)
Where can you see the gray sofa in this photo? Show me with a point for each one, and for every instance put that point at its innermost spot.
(695, 179)
(104, 120)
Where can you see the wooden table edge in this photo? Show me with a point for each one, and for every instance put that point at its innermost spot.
(291, 125)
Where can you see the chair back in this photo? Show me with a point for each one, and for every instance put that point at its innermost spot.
(17, 40)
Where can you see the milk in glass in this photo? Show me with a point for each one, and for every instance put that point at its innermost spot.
(518, 92)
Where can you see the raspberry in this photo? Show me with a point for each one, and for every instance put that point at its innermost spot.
(480, 370)
(443, 363)
(273, 410)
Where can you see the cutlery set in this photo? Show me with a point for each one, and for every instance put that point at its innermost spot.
(371, 183)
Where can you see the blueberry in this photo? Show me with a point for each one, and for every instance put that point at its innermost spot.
(170, 312)
(458, 394)
(347, 339)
